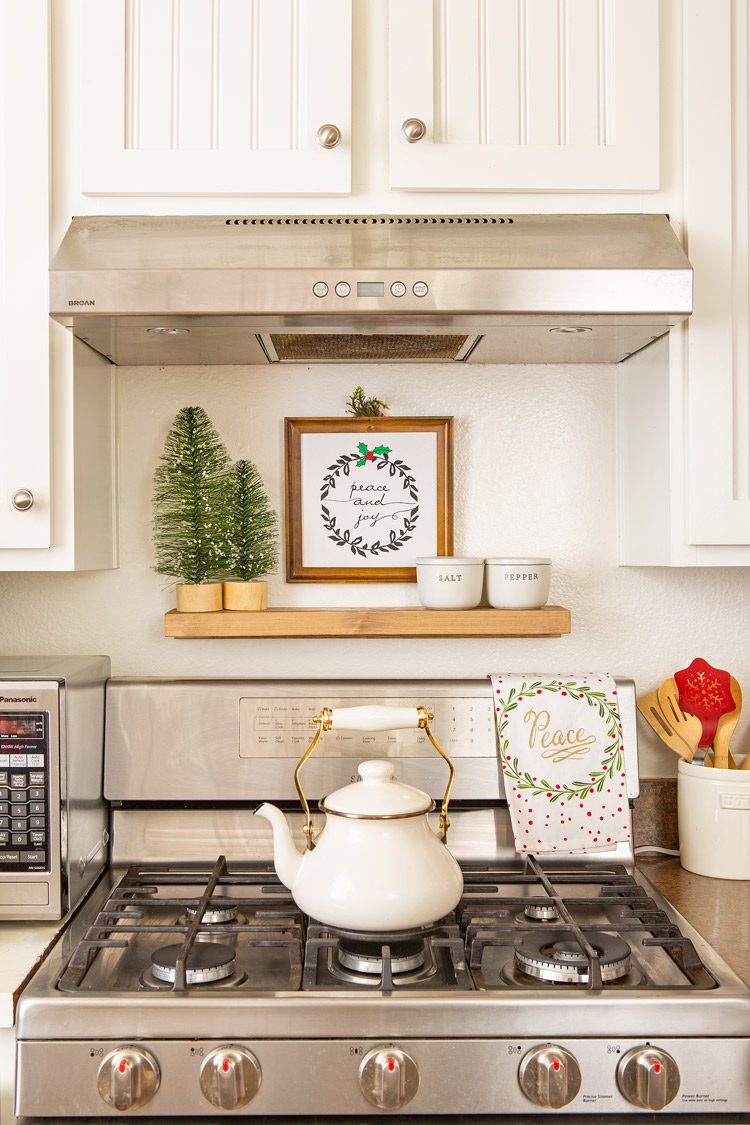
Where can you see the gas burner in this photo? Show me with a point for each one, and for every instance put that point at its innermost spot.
(214, 915)
(366, 955)
(555, 955)
(207, 962)
(541, 910)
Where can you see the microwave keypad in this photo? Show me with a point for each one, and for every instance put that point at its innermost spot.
(24, 798)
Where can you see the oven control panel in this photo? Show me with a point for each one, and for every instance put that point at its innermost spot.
(24, 790)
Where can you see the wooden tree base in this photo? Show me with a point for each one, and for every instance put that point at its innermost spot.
(198, 597)
(245, 596)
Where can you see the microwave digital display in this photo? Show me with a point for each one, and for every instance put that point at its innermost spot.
(21, 726)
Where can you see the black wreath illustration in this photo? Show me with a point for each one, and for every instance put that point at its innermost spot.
(342, 538)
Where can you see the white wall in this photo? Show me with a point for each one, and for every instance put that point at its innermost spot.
(535, 474)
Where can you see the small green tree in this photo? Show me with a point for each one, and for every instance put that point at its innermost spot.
(190, 512)
(254, 546)
(361, 406)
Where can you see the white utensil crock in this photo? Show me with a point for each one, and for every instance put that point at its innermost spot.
(518, 583)
(713, 810)
(447, 582)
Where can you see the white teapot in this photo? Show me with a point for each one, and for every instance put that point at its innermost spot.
(377, 865)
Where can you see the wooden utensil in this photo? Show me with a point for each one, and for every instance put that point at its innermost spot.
(648, 705)
(725, 729)
(688, 727)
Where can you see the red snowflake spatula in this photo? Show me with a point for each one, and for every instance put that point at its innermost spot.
(705, 692)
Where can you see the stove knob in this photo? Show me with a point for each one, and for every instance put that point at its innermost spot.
(549, 1076)
(388, 1077)
(128, 1078)
(648, 1077)
(230, 1077)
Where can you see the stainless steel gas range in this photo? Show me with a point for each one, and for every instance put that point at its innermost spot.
(189, 983)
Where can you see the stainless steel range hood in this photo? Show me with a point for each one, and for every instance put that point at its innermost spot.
(379, 289)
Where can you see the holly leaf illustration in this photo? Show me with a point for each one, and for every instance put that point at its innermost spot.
(361, 463)
(383, 449)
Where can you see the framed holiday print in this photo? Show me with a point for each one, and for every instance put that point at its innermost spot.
(366, 496)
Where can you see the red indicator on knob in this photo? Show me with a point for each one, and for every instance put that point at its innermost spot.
(555, 1064)
(225, 1065)
(123, 1066)
(657, 1066)
(391, 1064)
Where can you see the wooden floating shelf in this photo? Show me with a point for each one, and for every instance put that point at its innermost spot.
(550, 621)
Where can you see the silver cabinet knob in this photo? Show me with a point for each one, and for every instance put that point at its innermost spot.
(648, 1077)
(413, 129)
(128, 1078)
(230, 1077)
(549, 1076)
(329, 136)
(388, 1077)
(22, 499)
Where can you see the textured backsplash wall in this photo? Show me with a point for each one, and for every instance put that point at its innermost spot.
(535, 474)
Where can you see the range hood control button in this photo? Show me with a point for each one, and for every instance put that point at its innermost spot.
(230, 1077)
(648, 1077)
(343, 288)
(398, 289)
(420, 289)
(549, 1076)
(388, 1077)
(128, 1078)
(320, 289)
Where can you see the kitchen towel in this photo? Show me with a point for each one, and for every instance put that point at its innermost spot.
(560, 746)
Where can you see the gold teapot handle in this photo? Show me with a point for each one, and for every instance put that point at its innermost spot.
(374, 718)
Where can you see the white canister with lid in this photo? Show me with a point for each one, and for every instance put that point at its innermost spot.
(450, 582)
(518, 583)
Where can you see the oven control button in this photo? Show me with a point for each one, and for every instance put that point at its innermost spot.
(549, 1076)
(388, 1077)
(128, 1078)
(648, 1077)
(230, 1077)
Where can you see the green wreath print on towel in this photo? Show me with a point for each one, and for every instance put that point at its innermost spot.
(541, 787)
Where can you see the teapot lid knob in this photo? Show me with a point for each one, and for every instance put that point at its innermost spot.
(381, 770)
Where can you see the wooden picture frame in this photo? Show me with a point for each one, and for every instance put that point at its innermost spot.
(366, 496)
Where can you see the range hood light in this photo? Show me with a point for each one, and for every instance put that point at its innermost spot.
(164, 331)
(573, 329)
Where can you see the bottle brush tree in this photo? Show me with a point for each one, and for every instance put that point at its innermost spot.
(191, 521)
(254, 547)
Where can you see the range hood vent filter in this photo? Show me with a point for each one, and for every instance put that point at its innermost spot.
(359, 348)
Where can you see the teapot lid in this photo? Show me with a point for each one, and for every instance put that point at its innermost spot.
(377, 796)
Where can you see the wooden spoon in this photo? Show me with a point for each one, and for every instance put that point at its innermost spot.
(688, 727)
(722, 758)
(648, 705)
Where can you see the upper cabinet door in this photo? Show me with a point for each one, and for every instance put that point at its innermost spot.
(525, 95)
(215, 97)
(25, 486)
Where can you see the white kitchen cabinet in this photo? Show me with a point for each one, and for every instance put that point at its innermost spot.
(532, 95)
(214, 97)
(24, 237)
(56, 422)
(684, 430)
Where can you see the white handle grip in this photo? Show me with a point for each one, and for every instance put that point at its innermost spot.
(375, 718)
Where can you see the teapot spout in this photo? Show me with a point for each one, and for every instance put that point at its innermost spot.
(286, 859)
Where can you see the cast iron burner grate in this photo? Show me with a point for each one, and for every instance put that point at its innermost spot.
(427, 956)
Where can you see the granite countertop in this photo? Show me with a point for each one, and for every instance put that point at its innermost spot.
(719, 909)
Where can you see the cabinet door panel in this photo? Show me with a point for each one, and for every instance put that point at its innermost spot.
(24, 256)
(717, 171)
(214, 97)
(526, 94)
